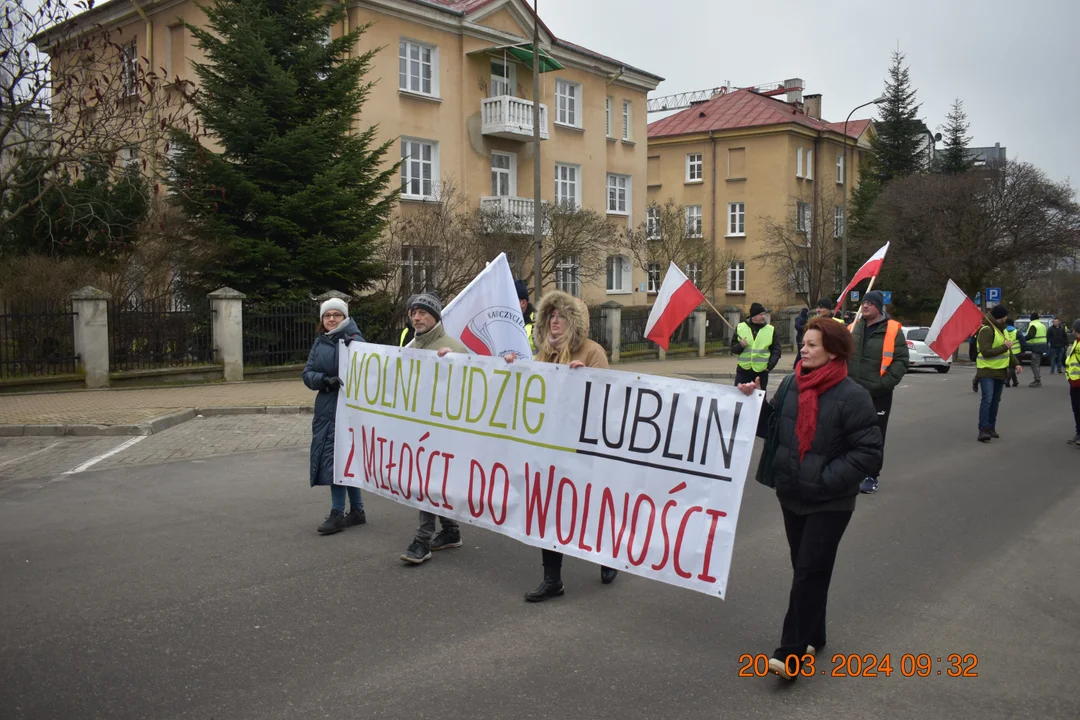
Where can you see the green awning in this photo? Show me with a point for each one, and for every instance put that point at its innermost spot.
(523, 53)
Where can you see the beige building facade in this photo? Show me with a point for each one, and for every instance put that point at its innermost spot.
(457, 101)
(745, 165)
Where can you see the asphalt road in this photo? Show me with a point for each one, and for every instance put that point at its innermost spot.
(198, 588)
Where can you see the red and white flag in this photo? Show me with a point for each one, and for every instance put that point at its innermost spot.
(486, 315)
(870, 269)
(957, 319)
(678, 297)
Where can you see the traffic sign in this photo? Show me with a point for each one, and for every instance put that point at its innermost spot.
(854, 296)
(993, 295)
(887, 294)
(978, 299)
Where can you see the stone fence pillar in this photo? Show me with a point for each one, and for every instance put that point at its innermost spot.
(613, 318)
(700, 318)
(227, 306)
(90, 307)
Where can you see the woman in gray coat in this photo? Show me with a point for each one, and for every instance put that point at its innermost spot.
(825, 440)
(321, 375)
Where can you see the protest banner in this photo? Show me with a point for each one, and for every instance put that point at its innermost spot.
(637, 472)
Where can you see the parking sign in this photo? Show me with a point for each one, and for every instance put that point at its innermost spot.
(887, 294)
(854, 296)
(993, 295)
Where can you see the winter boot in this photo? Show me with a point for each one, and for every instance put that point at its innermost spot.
(551, 586)
(334, 523)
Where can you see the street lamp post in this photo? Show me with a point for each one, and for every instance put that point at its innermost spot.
(847, 185)
(538, 233)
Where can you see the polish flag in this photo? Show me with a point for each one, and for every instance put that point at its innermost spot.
(870, 269)
(957, 319)
(678, 297)
(486, 315)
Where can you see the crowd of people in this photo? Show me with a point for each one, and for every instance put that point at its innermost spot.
(824, 427)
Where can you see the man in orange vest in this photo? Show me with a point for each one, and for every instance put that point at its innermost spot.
(879, 363)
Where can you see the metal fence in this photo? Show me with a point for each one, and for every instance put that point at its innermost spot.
(159, 333)
(598, 329)
(632, 330)
(36, 339)
(279, 333)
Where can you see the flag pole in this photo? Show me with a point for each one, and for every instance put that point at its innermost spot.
(719, 313)
(859, 314)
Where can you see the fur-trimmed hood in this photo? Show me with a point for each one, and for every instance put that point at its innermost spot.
(574, 312)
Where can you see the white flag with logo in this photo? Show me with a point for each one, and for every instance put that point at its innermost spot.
(486, 315)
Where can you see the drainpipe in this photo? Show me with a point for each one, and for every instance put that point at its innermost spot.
(712, 215)
(150, 110)
(813, 220)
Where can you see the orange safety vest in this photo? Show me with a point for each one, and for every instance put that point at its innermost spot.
(891, 330)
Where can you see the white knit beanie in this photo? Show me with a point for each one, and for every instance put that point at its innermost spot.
(334, 304)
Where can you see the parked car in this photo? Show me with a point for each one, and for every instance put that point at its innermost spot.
(919, 353)
(1021, 326)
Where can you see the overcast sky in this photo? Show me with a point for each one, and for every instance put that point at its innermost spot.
(1014, 64)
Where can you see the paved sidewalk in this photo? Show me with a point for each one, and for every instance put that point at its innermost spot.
(124, 407)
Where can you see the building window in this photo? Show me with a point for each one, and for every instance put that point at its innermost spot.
(798, 162)
(693, 221)
(129, 69)
(654, 277)
(502, 174)
(129, 156)
(417, 268)
(693, 272)
(736, 277)
(802, 217)
(567, 276)
(618, 194)
(801, 281)
(652, 223)
(626, 120)
(809, 164)
(502, 79)
(607, 115)
(419, 166)
(567, 97)
(838, 221)
(567, 186)
(839, 168)
(736, 214)
(694, 167)
(418, 68)
(619, 274)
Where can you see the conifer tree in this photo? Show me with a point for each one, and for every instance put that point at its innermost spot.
(954, 159)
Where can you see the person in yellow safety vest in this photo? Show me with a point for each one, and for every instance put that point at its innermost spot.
(758, 347)
(407, 332)
(528, 312)
(879, 363)
(1036, 340)
(1072, 374)
(1011, 335)
(992, 368)
(825, 309)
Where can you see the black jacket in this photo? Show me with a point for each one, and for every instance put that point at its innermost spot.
(1055, 336)
(846, 449)
(323, 363)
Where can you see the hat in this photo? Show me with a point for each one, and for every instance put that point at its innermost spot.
(428, 302)
(825, 303)
(1076, 326)
(334, 304)
(875, 298)
(1034, 316)
(999, 312)
(757, 309)
(522, 289)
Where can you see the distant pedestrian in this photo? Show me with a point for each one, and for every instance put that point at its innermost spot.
(321, 375)
(1072, 374)
(879, 363)
(528, 312)
(1057, 338)
(825, 309)
(1036, 339)
(1012, 336)
(825, 439)
(992, 369)
(758, 347)
(800, 330)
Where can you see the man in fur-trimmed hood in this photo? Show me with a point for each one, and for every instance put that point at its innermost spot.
(567, 340)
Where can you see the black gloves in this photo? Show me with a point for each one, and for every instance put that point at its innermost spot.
(331, 384)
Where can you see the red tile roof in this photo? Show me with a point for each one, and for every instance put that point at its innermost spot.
(743, 109)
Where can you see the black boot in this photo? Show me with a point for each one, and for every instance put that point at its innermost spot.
(334, 523)
(607, 575)
(551, 587)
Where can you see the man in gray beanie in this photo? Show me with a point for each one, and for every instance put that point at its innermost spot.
(425, 315)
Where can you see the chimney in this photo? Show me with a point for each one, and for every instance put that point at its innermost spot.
(813, 105)
(794, 88)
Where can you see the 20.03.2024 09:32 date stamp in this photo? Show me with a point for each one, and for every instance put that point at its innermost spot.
(866, 665)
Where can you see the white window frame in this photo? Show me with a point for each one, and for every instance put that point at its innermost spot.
(840, 168)
(129, 68)
(803, 218)
(838, 221)
(695, 167)
(405, 74)
(654, 279)
(619, 194)
(129, 156)
(652, 223)
(809, 164)
(620, 275)
(627, 121)
(510, 172)
(608, 106)
(409, 164)
(417, 263)
(563, 181)
(568, 275)
(693, 221)
(736, 280)
(693, 272)
(736, 219)
(567, 103)
(510, 79)
(798, 162)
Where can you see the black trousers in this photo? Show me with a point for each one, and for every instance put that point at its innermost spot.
(1074, 395)
(552, 559)
(883, 405)
(748, 376)
(813, 540)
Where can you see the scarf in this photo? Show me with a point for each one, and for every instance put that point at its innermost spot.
(810, 386)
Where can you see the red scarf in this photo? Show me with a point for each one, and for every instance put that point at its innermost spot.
(810, 386)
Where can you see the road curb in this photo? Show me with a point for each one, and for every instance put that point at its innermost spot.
(148, 427)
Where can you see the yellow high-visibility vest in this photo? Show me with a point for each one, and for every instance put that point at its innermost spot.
(998, 362)
(1072, 363)
(755, 354)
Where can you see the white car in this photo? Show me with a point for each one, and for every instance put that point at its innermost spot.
(919, 353)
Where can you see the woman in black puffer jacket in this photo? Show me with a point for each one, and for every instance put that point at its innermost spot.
(827, 441)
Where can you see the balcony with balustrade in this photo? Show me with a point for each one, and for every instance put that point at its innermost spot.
(511, 214)
(511, 118)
